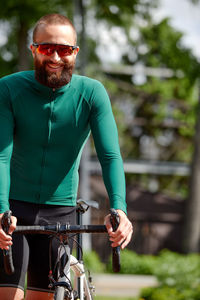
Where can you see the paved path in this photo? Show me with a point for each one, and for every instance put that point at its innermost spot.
(121, 285)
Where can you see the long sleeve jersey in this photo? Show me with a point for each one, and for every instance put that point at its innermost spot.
(42, 135)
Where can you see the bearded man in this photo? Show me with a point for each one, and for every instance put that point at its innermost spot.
(46, 117)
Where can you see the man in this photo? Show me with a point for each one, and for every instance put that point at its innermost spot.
(46, 116)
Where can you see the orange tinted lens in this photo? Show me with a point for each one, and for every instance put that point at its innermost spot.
(46, 49)
(64, 50)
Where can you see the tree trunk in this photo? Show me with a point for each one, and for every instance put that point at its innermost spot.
(191, 241)
(79, 21)
(23, 58)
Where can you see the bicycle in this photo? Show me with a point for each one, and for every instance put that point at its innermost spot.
(69, 268)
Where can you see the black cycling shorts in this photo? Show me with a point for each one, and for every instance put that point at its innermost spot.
(31, 252)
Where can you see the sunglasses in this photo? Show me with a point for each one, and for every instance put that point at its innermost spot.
(49, 49)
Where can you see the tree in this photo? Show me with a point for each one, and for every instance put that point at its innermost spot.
(191, 234)
(181, 93)
(21, 16)
(165, 110)
(166, 113)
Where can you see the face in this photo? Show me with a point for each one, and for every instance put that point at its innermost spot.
(54, 71)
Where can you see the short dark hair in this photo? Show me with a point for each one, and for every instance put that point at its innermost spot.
(53, 19)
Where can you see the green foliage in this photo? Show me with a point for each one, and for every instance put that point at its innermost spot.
(113, 298)
(165, 109)
(93, 263)
(168, 293)
(170, 268)
(30, 11)
(178, 276)
(132, 263)
(115, 11)
(181, 271)
(164, 45)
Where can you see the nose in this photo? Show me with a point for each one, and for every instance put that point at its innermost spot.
(55, 57)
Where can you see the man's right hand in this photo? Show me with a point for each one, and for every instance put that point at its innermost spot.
(6, 239)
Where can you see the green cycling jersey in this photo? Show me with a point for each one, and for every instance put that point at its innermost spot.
(42, 135)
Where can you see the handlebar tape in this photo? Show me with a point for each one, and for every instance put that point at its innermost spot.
(114, 219)
(7, 254)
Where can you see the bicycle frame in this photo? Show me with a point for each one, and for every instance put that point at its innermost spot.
(79, 272)
(80, 283)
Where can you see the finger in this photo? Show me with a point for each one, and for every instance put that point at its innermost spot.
(126, 242)
(128, 238)
(116, 234)
(122, 237)
(108, 225)
(123, 242)
(123, 230)
(13, 225)
(5, 244)
(118, 240)
(4, 236)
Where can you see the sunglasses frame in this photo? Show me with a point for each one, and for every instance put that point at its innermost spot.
(73, 47)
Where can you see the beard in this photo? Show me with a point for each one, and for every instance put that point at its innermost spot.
(53, 79)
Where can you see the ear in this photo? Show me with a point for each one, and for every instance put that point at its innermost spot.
(76, 51)
(33, 50)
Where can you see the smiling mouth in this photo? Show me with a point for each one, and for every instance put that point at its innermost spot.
(54, 67)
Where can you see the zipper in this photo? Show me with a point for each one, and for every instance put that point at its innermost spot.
(49, 128)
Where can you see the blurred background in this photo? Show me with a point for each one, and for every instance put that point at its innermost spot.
(147, 54)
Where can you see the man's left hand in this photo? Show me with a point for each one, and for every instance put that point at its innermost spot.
(122, 236)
